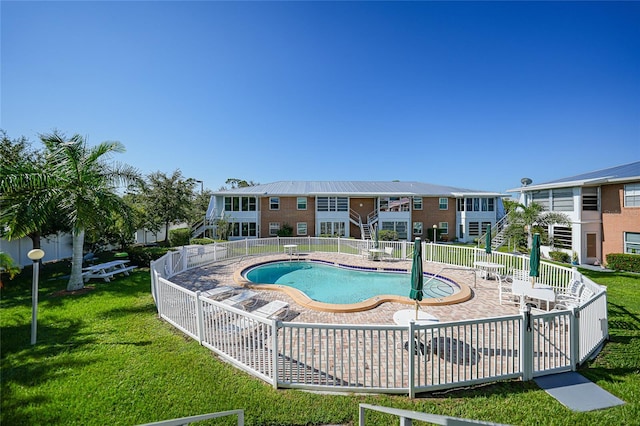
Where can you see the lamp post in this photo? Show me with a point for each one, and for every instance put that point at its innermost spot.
(201, 185)
(35, 255)
(435, 229)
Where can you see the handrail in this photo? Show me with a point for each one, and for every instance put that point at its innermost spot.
(406, 416)
(187, 420)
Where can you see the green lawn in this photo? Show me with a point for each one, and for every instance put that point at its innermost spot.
(104, 358)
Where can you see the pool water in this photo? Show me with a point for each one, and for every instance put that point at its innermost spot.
(340, 285)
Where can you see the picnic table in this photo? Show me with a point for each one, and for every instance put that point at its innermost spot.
(107, 270)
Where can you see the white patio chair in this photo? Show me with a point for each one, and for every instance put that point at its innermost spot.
(241, 300)
(388, 253)
(273, 309)
(572, 293)
(218, 292)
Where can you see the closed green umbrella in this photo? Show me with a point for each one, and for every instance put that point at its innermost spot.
(417, 278)
(487, 240)
(534, 259)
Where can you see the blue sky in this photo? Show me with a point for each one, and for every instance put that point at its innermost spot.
(469, 94)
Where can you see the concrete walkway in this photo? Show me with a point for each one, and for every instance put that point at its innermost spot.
(576, 392)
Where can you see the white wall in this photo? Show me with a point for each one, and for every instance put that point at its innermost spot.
(56, 247)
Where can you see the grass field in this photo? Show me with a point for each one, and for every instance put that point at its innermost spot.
(104, 358)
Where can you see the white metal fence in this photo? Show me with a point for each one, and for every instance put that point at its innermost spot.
(382, 358)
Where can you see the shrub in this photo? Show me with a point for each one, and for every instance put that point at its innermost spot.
(179, 237)
(202, 241)
(559, 256)
(285, 231)
(142, 256)
(623, 262)
(387, 235)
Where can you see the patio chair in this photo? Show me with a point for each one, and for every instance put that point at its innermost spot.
(217, 293)
(506, 291)
(388, 253)
(275, 309)
(242, 300)
(585, 295)
(572, 293)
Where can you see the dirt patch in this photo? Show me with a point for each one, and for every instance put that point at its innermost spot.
(83, 290)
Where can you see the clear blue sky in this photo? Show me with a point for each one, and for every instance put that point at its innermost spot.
(473, 95)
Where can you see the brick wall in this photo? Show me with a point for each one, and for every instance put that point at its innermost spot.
(616, 219)
(288, 213)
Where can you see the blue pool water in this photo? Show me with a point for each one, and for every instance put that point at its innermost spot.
(333, 284)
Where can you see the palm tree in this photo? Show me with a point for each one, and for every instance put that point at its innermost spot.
(7, 266)
(523, 219)
(77, 184)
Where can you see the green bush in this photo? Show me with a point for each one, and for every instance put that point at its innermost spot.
(559, 256)
(179, 237)
(202, 241)
(623, 262)
(142, 256)
(387, 235)
(285, 231)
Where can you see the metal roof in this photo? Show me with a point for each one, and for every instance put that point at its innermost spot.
(353, 188)
(623, 173)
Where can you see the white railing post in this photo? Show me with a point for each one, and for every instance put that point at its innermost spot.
(339, 245)
(412, 360)
(574, 338)
(526, 345)
(185, 260)
(199, 317)
(274, 353)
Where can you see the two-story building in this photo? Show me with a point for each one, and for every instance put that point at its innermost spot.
(604, 208)
(354, 209)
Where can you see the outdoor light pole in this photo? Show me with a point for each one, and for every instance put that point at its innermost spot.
(201, 185)
(435, 229)
(35, 255)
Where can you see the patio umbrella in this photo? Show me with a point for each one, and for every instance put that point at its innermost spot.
(534, 259)
(376, 243)
(417, 278)
(487, 241)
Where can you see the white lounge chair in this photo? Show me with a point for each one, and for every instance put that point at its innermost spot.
(218, 292)
(272, 309)
(242, 299)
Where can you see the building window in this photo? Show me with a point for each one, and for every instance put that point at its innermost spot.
(632, 195)
(235, 230)
(240, 204)
(302, 228)
(394, 204)
(562, 237)
(399, 227)
(417, 203)
(632, 242)
(274, 203)
(443, 227)
(469, 204)
(302, 203)
(274, 227)
(562, 200)
(542, 198)
(336, 229)
(249, 229)
(444, 203)
(417, 228)
(332, 204)
(474, 229)
(460, 204)
(590, 199)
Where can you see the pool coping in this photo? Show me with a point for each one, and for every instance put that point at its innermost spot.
(303, 300)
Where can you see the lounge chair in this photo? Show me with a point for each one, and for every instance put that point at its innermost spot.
(243, 299)
(218, 292)
(388, 253)
(272, 309)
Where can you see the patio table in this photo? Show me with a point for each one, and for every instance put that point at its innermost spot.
(489, 268)
(107, 270)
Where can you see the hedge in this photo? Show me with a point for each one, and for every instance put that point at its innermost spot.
(623, 262)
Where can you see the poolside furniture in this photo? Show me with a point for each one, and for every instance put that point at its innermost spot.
(572, 294)
(388, 253)
(218, 292)
(290, 249)
(376, 253)
(585, 295)
(505, 291)
(242, 299)
(107, 270)
(272, 309)
(405, 316)
(489, 268)
(540, 292)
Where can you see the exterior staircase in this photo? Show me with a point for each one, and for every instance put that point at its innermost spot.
(498, 238)
(366, 228)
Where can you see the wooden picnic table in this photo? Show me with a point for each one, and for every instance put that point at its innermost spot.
(107, 270)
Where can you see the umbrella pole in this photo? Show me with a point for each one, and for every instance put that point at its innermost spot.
(417, 310)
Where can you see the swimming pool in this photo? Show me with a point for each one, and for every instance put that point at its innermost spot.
(340, 284)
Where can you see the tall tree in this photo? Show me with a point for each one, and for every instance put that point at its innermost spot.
(168, 199)
(78, 185)
(25, 214)
(524, 220)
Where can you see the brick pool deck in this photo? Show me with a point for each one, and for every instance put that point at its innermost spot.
(484, 302)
